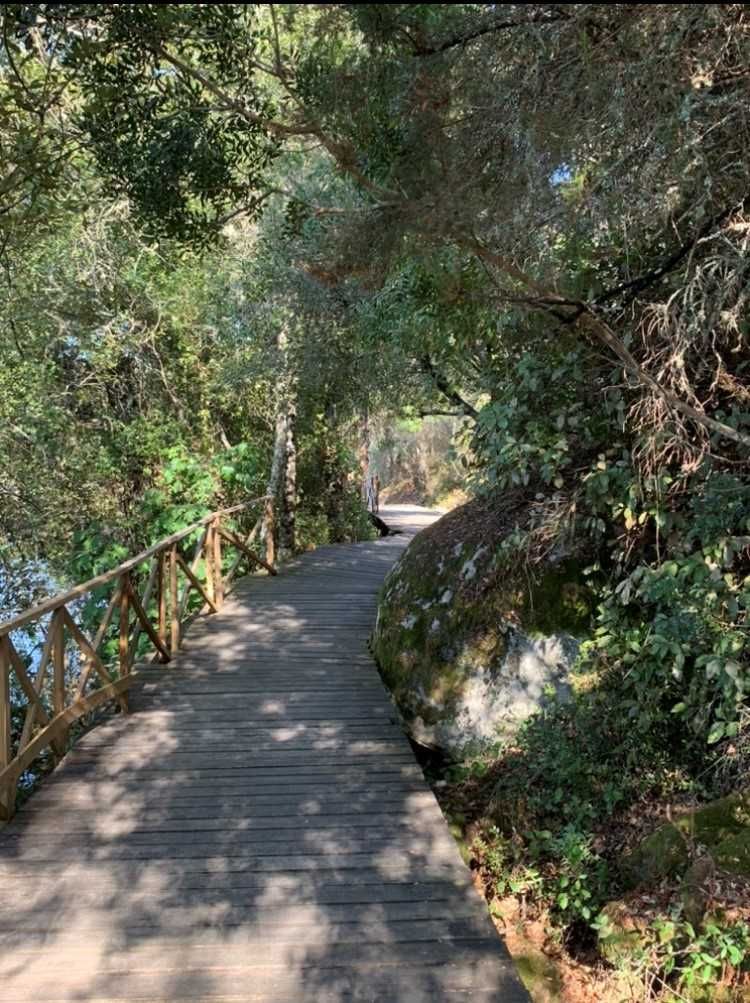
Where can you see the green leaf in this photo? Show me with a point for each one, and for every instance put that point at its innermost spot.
(717, 733)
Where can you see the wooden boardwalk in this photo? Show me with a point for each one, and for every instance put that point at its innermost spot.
(257, 830)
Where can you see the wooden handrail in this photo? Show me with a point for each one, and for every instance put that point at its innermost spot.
(65, 598)
(54, 699)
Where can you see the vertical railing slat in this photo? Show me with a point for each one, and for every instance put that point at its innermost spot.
(59, 697)
(162, 586)
(6, 751)
(124, 644)
(270, 531)
(174, 600)
(208, 560)
(58, 663)
(7, 793)
(217, 565)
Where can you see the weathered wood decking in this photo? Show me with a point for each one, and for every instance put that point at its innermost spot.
(258, 829)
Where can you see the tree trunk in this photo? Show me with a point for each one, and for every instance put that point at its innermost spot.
(288, 515)
(333, 479)
(282, 483)
(364, 451)
(278, 471)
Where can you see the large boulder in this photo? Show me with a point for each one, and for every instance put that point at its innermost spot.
(468, 639)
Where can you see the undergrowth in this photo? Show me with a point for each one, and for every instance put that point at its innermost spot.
(549, 819)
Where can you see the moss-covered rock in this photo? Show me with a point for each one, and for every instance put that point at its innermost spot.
(471, 643)
(733, 854)
(663, 854)
(720, 830)
(694, 890)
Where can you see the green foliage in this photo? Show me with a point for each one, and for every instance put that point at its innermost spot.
(539, 423)
(578, 763)
(155, 133)
(676, 626)
(673, 951)
(560, 870)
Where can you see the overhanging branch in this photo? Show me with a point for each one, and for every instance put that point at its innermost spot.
(446, 389)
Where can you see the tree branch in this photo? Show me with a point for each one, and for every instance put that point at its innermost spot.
(277, 129)
(462, 40)
(585, 318)
(446, 389)
(343, 155)
(649, 278)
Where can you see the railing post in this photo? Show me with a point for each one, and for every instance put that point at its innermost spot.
(7, 792)
(208, 560)
(125, 635)
(174, 600)
(161, 584)
(218, 580)
(58, 671)
(270, 531)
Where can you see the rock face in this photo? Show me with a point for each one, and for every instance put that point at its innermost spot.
(469, 645)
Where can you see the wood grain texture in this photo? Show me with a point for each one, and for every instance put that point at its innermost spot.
(256, 830)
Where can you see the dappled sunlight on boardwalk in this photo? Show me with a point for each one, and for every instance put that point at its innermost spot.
(258, 829)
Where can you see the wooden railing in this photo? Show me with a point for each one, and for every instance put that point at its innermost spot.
(72, 678)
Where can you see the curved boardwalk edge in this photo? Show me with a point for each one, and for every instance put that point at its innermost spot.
(258, 829)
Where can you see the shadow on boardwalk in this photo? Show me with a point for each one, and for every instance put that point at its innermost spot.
(256, 830)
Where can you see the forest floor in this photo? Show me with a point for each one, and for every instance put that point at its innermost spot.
(567, 967)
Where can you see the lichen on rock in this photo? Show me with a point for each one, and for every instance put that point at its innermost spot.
(470, 642)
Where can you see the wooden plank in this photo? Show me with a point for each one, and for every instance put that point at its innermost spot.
(59, 695)
(208, 557)
(124, 639)
(162, 601)
(269, 528)
(343, 946)
(353, 888)
(7, 788)
(251, 937)
(238, 869)
(160, 825)
(174, 600)
(84, 810)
